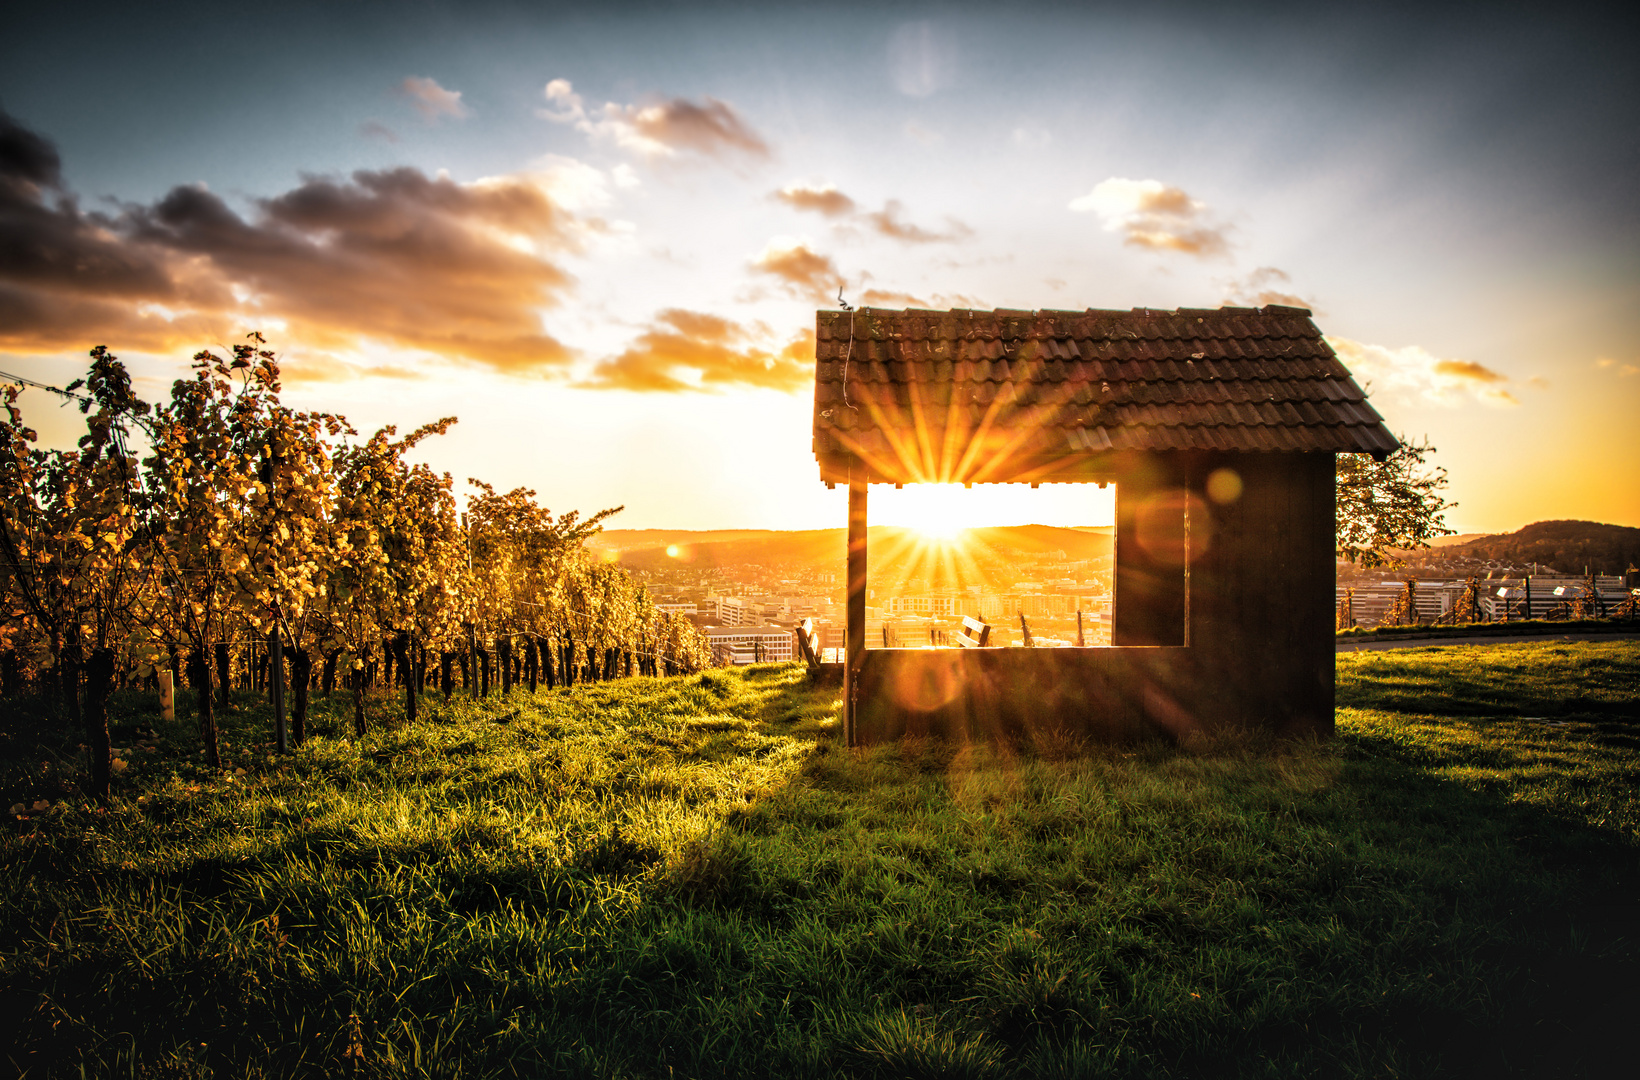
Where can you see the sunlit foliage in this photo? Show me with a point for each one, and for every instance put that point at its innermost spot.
(1387, 505)
(246, 518)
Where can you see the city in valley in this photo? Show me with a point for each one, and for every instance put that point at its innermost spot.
(749, 589)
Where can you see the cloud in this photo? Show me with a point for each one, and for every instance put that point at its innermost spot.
(889, 223)
(826, 200)
(66, 274)
(1416, 373)
(1261, 287)
(302, 366)
(660, 129)
(432, 100)
(375, 129)
(1468, 369)
(693, 351)
(893, 298)
(1152, 215)
(1622, 369)
(804, 272)
(26, 159)
(398, 258)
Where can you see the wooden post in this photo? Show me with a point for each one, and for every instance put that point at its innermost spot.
(301, 675)
(167, 695)
(276, 688)
(412, 677)
(855, 638)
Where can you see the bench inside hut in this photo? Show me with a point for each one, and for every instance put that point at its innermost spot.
(1219, 429)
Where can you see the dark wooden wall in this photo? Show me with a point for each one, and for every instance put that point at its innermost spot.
(1262, 581)
(1148, 583)
(1015, 695)
(1244, 638)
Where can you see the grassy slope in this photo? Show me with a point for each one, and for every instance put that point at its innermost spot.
(690, 878)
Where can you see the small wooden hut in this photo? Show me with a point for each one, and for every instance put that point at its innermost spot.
(1218, 428)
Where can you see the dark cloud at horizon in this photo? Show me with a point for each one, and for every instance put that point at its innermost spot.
(390, 256)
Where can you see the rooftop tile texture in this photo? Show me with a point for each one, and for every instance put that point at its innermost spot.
(1011, 395)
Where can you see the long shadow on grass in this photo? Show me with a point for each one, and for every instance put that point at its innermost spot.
(1331, 913)
(918, 910)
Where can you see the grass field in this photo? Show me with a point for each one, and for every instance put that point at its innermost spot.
(691, 878)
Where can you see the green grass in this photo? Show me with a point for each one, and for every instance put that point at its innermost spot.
(1514, 628)
(676, 878)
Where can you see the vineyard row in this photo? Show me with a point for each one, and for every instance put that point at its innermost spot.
(213, 531)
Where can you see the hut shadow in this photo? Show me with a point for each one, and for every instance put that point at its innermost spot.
(1554, 896)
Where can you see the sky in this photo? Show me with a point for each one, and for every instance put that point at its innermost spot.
(598, 234)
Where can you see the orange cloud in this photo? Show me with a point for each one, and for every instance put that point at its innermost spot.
(1468, 369)
(804, 272)
(893, 298)
(658, 129)
(889, 223)
(393, 257)
(1263, 286)
(825, 200)
(690, 350)
(1153, 215)
(1415, 372)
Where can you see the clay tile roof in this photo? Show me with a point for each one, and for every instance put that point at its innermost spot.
(1015, 396)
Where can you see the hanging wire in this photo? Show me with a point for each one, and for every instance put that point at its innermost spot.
(59, 391)
(116, 430)
(848, 357)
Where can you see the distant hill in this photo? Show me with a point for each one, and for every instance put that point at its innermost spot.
(1568, 546)
(621, 540)
(826, 549)
(1461, 538)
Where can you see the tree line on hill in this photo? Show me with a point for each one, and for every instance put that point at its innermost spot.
(247, 529)
(1570, 547)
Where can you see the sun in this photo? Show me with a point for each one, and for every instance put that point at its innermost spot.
(939, 512)
(946, 530)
